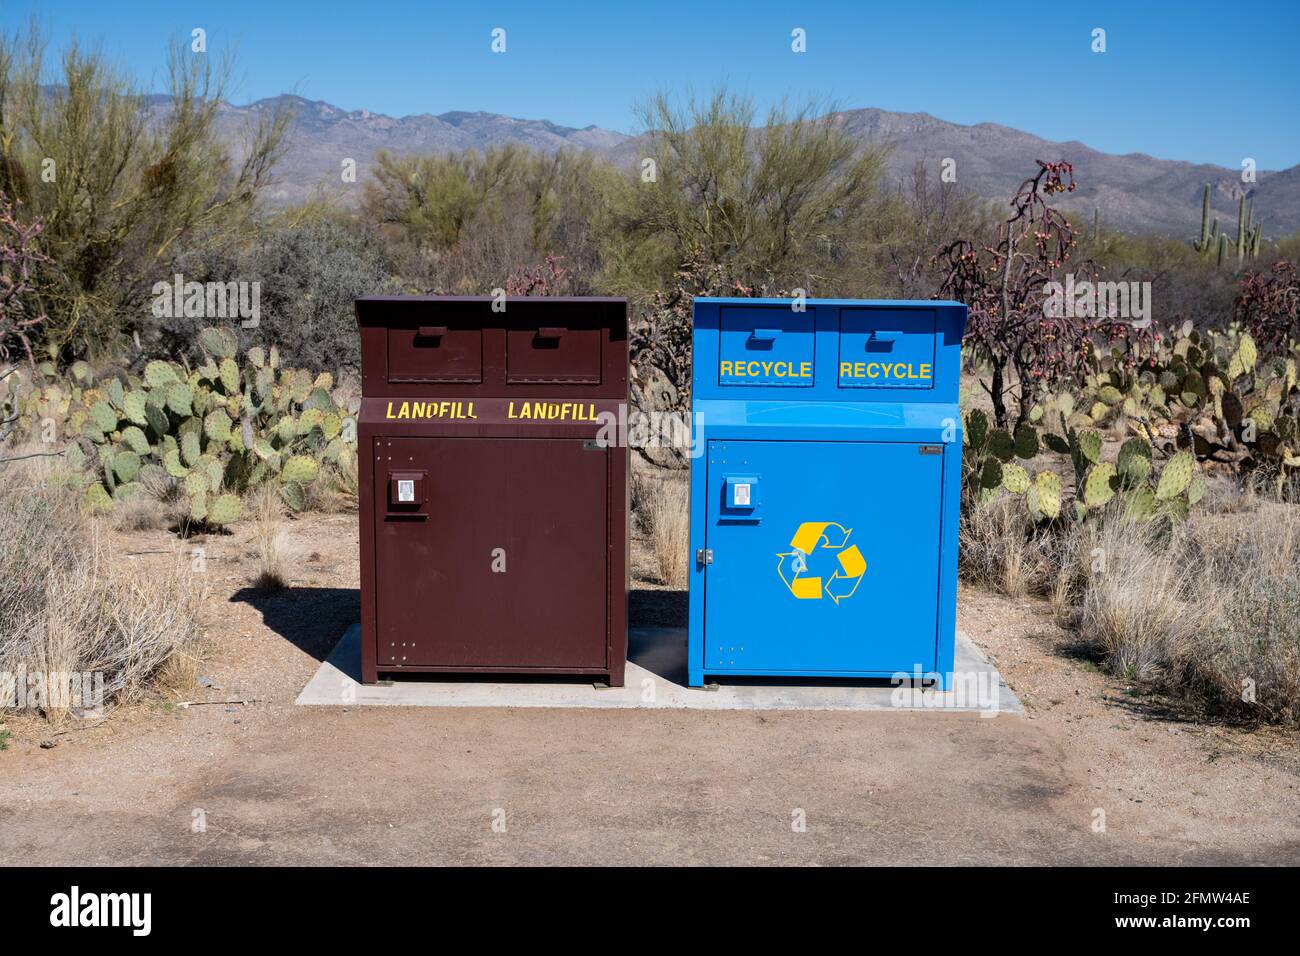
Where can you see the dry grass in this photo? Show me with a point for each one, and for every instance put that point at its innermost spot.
(335, 489)
(141, 514)
(1135, 595)
(71, 605)
(1247, 608)
(998, 549)
(663, 509)
(1208, 610)
(274, 555)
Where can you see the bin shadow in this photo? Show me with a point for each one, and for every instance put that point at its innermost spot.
(657, 641)
(311, 619)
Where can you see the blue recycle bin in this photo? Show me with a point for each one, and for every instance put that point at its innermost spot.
(825, 503)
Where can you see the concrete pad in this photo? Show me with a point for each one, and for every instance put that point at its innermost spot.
(656, 679)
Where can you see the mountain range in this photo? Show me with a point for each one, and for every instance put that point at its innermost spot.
(1133, 192)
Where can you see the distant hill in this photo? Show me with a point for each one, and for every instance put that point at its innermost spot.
(1135, 192)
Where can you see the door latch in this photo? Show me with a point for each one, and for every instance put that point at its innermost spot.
(703, 556)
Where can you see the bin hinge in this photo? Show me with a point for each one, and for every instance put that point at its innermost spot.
(703, 556)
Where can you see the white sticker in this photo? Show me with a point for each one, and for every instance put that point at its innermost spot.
(741, 496)
(405, 489)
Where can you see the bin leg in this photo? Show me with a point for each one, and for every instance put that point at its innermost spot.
(616, 675)
(945, 681)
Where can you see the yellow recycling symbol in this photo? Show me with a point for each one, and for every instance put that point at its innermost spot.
(829, 536)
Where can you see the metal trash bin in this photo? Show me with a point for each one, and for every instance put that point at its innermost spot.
(824, 509)
(493, 521)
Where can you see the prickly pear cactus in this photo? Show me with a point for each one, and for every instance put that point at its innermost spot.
(1175, 476)
(214, 430)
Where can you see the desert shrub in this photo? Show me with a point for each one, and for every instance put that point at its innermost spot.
(1245, 660)
(310, 275)
(20, 262)
(1015, 327)
(134, 181)
(466, 222)
(1259, 643)
(783, 202)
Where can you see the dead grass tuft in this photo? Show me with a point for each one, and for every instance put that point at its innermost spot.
(998, 548)
(335, 489)
(662, 506)
(274, 554)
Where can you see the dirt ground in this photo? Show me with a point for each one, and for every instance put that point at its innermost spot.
(268, 783)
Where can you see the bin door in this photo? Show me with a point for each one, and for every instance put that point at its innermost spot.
(500, 559)
(825, 557)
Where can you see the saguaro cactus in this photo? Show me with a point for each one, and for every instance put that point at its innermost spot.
(1211, 242)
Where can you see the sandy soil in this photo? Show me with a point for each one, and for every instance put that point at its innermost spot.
(266, 782)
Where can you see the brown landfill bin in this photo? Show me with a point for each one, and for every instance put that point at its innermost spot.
(494, 511)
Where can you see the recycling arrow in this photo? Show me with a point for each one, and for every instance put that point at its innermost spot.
(821, 535)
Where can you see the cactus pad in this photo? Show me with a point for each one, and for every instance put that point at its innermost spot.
(229, 376)
(293, 495)
(103, 416)
(1056, 443)
(1046, 492)
(1097, 487)
(133, 407)
(977, 429)
(180, 399)
(1015, 479)
(217, 425)
(1176, 476)
(1247, 352)
(225, 509)
(97, 499)
(134, 439)
(1134, 462)
(172, 463)
(1026, 441)
(1090, 446)
(160, 374)
(196, 483)
(302, 468)
(126, 465)
(219, 341)
(1000, 444)
(190, 449)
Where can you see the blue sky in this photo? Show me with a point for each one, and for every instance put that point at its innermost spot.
(1207, 82)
